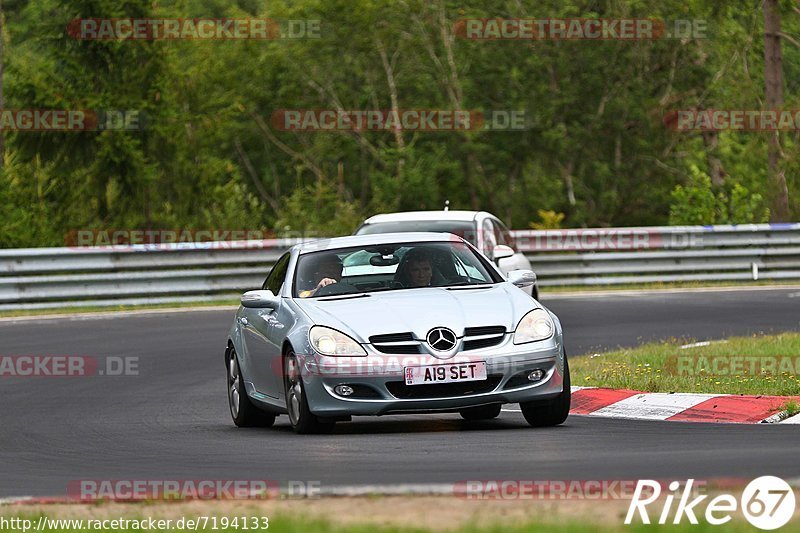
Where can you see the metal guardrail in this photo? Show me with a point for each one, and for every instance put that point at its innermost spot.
(613, 256)
(58, 277)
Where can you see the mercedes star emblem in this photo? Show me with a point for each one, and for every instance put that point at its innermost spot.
(442, 339)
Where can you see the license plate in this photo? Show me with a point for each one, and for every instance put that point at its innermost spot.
(425, 375)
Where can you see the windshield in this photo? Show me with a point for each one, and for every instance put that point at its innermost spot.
(388, 267)
(464, 229)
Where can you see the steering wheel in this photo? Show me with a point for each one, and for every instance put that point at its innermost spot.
(336, 288)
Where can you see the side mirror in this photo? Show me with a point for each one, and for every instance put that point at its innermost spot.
(522, 278)
(260, 299)
(501, 251)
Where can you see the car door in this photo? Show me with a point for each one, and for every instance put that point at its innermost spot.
(263, 333)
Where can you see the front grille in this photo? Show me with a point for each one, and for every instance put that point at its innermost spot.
(392, 337)
(484, 330)
(400, 390)
(397, 349)
(482, 343)
(395, 343)
(485, 336)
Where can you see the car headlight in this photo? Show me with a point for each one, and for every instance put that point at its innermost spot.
(328, 341)
(535, 326)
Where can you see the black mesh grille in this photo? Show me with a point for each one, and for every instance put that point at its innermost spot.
(484, 330)
(398, 349)
(399, 389)
(477, 344)
(392, 337)
(378, 341)
(482, 343)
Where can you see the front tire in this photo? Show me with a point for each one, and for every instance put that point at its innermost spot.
(243, 412)
(483, 412)
(544, 413)
(300, 416)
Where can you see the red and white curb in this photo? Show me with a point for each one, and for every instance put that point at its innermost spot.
(637, 405)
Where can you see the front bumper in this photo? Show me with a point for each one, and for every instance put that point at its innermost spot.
(378, 380)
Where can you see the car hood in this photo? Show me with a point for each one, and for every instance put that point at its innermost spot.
(420, 310)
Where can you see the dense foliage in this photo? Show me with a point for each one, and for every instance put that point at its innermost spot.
(596, 148)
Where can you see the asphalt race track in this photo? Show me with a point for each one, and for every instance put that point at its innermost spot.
(172, 420)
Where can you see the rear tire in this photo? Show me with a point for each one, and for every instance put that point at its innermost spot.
(300, 416)
(553, 412)
(483, 412)
(243, 412)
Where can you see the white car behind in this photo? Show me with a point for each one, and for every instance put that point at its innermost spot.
(484, 230)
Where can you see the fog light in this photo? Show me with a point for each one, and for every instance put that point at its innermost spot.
(535, 375)
(343, 390)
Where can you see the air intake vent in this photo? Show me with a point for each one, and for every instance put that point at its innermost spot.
(484, 330)
(482, 343)
(395, 343)
(392, 337)
(397, 349)
(399, 389)
(476, 338)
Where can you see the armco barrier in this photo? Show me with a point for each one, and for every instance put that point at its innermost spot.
(56, 277)
(612, 256)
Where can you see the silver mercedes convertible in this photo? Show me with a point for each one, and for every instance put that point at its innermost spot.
(393, 324)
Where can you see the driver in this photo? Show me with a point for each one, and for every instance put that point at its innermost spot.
(416, 270)
(326, 270)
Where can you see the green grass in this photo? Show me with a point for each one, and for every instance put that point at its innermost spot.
(791, 407)
(567, 526)
(769, 365)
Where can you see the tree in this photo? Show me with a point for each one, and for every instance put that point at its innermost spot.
(773, 80)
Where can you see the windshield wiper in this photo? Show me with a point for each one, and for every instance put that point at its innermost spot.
(463, 286)
(342, 297)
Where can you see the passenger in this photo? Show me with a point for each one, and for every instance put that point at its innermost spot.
(415, 270)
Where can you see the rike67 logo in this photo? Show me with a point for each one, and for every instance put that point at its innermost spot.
(767, 502)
